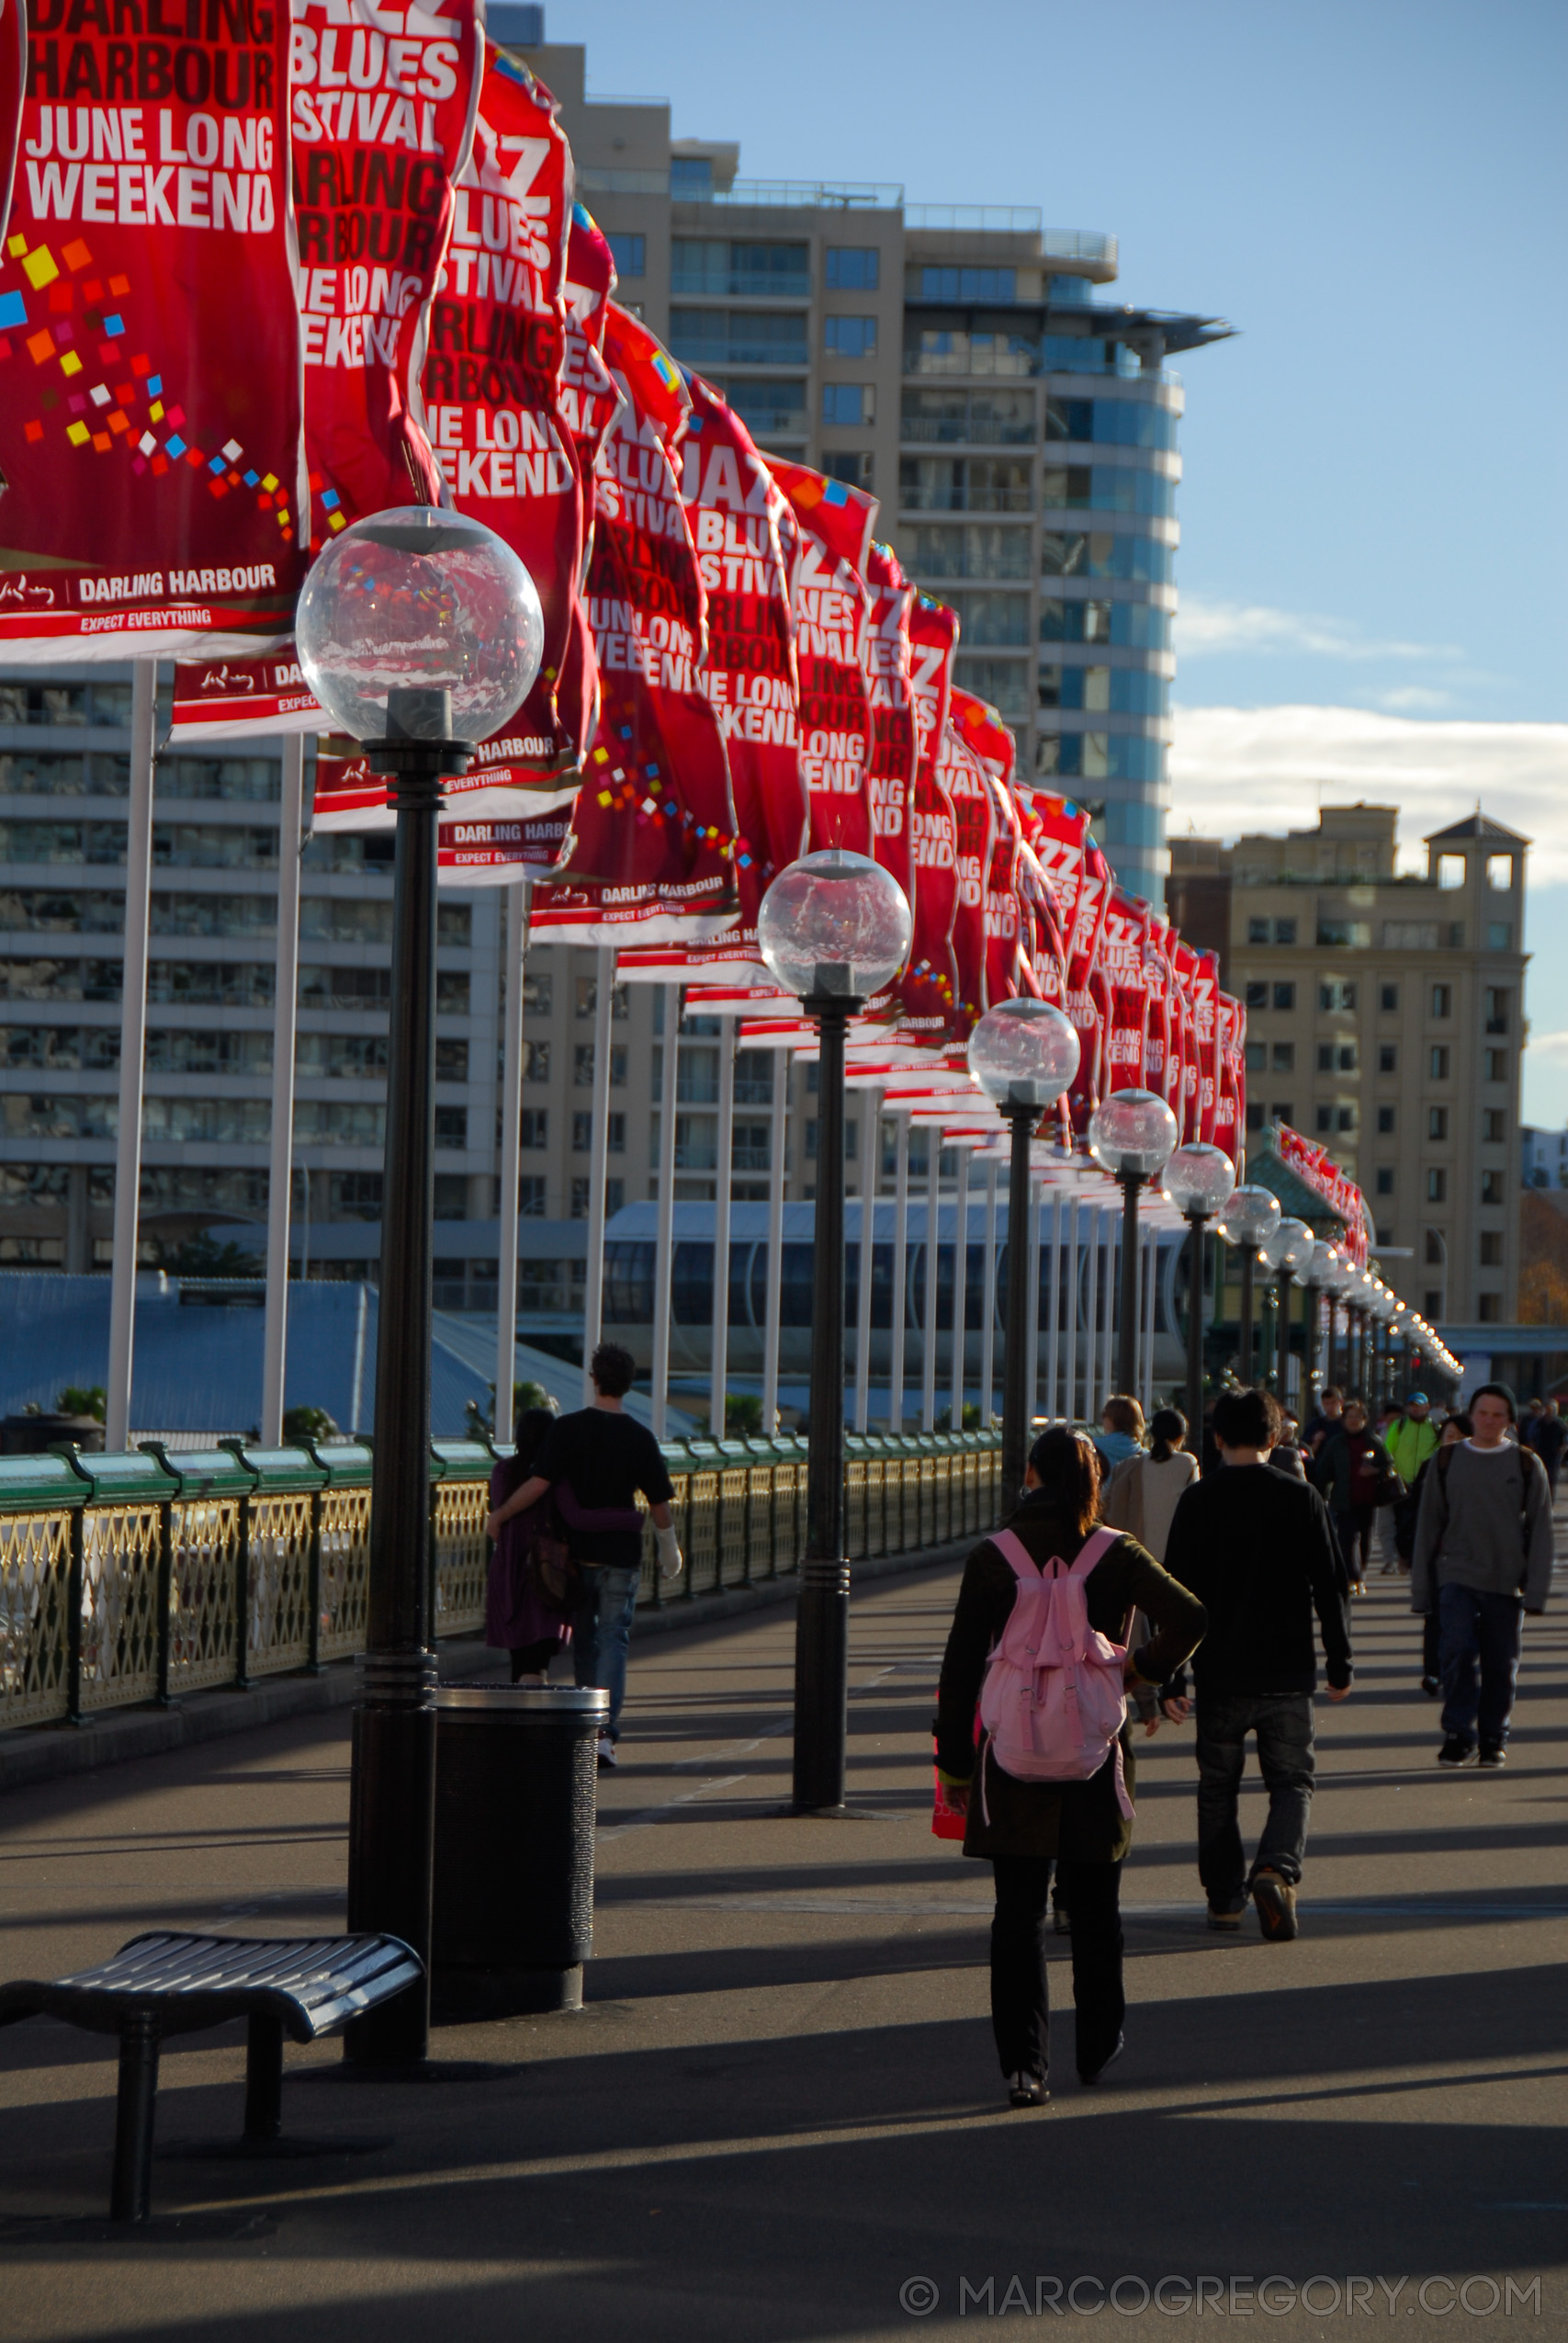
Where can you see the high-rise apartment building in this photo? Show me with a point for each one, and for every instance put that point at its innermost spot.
(1384, 1018)
(1021, 436)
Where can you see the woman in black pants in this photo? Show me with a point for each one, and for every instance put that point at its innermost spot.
(1024, 1827)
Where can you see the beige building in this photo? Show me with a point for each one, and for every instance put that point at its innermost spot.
(1384, 1018)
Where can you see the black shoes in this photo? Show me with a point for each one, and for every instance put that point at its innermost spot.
(1229, 1922)
(1027, 2091)
(1109, 2060)
(1275, 1901)
(1492, 1756)
(1431, 1686)
(1457, 1751)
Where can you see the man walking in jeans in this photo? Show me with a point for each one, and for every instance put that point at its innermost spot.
(1257, 1551)
(595, 1461)
(1483, 1548)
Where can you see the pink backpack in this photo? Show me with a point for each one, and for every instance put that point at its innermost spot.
(1054, 1700)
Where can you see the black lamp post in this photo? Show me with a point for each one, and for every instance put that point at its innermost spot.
(1251, 1215)
(1132, 1134)
(411, 625)
(1023, 1053)
(1286, 1251)
(834, 928)
(1200, 1179)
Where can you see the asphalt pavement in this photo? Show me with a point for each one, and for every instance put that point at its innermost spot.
(779, 2115)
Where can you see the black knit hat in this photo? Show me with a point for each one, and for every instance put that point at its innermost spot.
(1497, 1391)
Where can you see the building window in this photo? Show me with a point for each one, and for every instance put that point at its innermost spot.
(1492, 1249)
(1436, 1256)
(629, 253)
(855, 466)
(1496, 1066)
(1266, 931)
(1325, 1119)
(616, 1135)
(1491, 1187)
(1493, 1126)
(531, 1197)
(1499, 936)
(964, 285)
(1257, 931)
(1388, 1059)
(1284, 994)
(618, 1065)
(583, 1133)
(451, 1126)
(1385, 1118)
(451, 1196)
(1489, 1308)
(536, 1061)
(1284, 930)
(1257, 1056)
(582, 1065)
(1336, 993)
(1431, 1303)
(811, 1138)
(1337, 1058)
(1345, 1118)
(1388, 996)
(582, 1195)
(1442, 1000)
(1385, 1179)
(536, 1126)
(1436, 1121)
(849, 337)
(588, 1000)
(1496, 1009)
(853, 268)
(1439, 1062)
(1258, 996)
(1254, 1115)
(1437, 1185)
(849, 404)
(1282, 1059)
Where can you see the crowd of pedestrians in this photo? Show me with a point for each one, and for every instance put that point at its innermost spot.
(1208, 1591)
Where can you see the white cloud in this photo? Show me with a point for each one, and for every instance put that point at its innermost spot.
(1412, 699)
(1236, 769)
(1204, 628)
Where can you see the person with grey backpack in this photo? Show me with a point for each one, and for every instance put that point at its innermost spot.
(1482, 1559)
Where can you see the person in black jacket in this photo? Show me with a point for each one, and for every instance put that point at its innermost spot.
(1025, 1827)
(1257, 1551)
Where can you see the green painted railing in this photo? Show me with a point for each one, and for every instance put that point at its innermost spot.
(127, 1578)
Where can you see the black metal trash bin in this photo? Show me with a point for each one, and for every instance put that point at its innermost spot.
(517, 1778)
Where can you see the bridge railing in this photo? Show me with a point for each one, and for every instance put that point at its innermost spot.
(143, 1576)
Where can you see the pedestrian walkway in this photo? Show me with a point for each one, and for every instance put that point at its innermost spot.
(778, 2115)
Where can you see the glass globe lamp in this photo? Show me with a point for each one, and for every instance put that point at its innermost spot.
(1199, 1179)
(835, 927)
(1132, 1135)
(419, 624)
(1024, 1053)
(1319, 1270)
(1250, 1214)
(1289, 1247)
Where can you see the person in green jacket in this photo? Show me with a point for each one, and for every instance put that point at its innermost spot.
(1410, 1439)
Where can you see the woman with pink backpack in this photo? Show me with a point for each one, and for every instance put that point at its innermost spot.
(1033, 1744)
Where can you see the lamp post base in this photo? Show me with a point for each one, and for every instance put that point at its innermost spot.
(822, 1686)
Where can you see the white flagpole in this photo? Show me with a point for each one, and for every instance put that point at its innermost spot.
(1110, 1229)
(515, 950)
(960, 1283)
(1146, 1349)
(900, 1251)
(132, 1056)
(871, 1166)
(281, 1173)
(719, 1354)
(1091, 1317)
(599, 1159)
(774, 1269)
(989, 1316)
(928, 1315)
(664, 1243)
(1054, 1326)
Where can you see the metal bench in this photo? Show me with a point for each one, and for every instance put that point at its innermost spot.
(161, 1985)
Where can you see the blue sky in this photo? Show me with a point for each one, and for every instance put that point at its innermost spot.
(1374, 193)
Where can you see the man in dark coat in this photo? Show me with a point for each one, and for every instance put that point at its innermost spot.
(1257, 1551)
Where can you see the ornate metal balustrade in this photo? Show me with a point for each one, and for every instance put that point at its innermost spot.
(145, 1576)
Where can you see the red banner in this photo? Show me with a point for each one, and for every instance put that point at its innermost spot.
(831, 610)
(489, 398)
(382, 116)
(150, 395)
(1122, 956)
(969, 792)
(928, 991)
(748, 676)
(1206, 1034)
(1230, 1105)
(652, 850)
(13, 71)
(894, 744)
(1184, 959)
(1317, 1168)
(499, 853)
(234, 699)
(588, 400)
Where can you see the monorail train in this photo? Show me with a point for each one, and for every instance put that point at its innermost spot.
(629, 1265)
